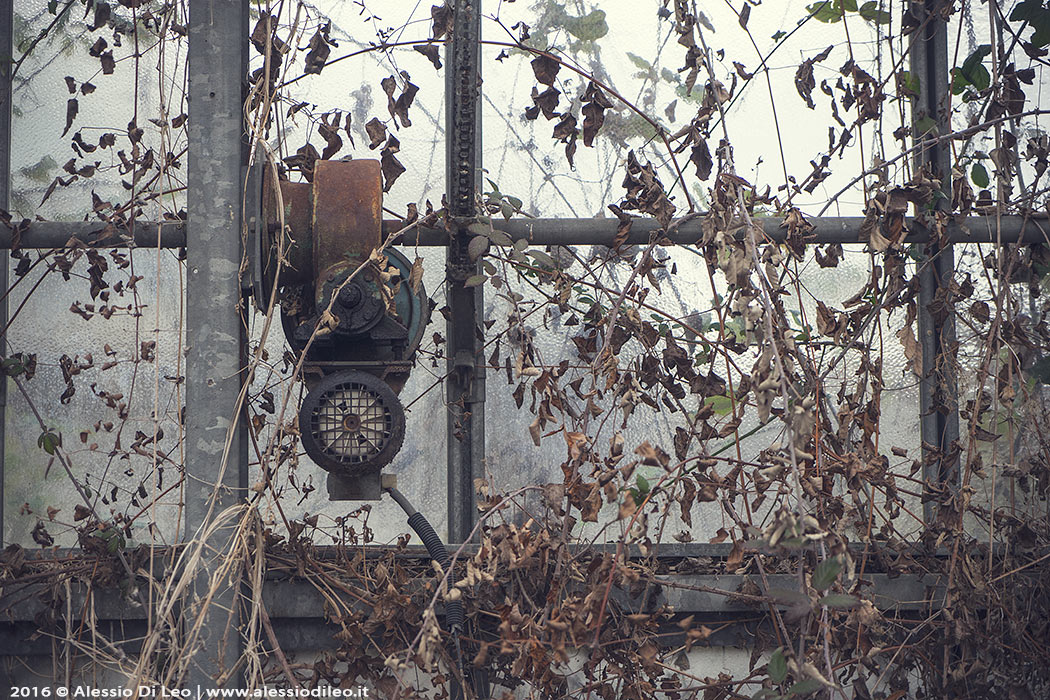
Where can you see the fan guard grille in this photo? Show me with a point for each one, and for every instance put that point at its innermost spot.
(351, 424)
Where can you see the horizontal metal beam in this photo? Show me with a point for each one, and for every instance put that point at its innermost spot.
(664, 553)
(24, 641)
(704, 593)
(298, 610)
(297, 599)
(837, 229)
(844, 229)
(297, 607)
(95, 234)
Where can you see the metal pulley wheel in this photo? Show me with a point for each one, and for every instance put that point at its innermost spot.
(351, 423)
(360, 309)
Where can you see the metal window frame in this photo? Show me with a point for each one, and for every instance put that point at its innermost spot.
(213, 187)
(216, 365)
(7, 16)
(216, 425)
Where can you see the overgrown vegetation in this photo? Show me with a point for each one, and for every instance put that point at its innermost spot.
(775, 397)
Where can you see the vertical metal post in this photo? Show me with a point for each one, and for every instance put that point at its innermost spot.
(466, 370)
(6, 63)
(938, 387)
(215, 434)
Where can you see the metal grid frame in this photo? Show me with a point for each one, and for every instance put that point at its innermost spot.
(218, 61)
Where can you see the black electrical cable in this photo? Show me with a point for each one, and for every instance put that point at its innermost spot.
(454, 616)
(402, 501)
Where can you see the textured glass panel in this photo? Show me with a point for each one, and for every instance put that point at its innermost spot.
(107, 339)
(632, 52)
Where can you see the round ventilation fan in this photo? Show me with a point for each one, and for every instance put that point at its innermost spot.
(351, 422)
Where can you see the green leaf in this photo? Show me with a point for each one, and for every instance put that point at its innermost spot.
(643, 486)
(849, 5)
(778, 668)
(805, 687)
(1027, 11)
(1040, 370)
(925, 126)
(1041, 36)
(722, 405)
(871, 12)
(40, 172)
(826, 573)
(115, 542)
(1037, 16)
(542, 258)
(979, 175)
(474, 281)
(778, 36)
(639, 62)
(12, 366)
(976, 58)
(52, 6)
(477, 247)
(48, 442)
(839, 601)
(827, 11)
(590, 27)
(972, 72)
(910, 83)
(500, 237)
(980, 78)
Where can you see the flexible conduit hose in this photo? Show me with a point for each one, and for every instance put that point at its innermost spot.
(454, 615)
(455, 619)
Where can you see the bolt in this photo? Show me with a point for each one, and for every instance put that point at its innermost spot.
(350, 296)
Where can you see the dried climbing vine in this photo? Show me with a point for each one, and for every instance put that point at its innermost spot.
(773, 400)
